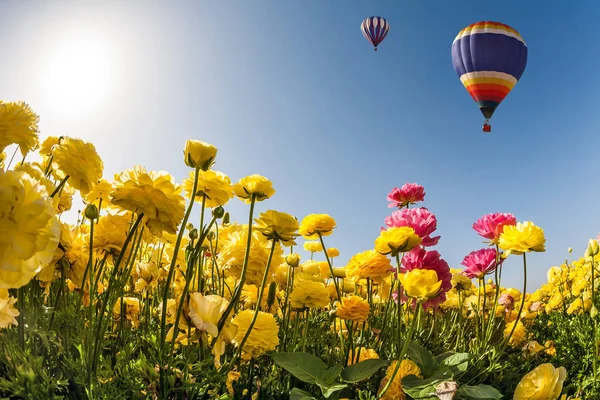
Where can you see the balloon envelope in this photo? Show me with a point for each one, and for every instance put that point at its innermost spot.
(489, 57)
(375, 29)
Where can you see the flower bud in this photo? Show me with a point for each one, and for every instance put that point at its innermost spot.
(91, 212)
(593, 247)
(210, 236)
(570, 250)
(218, 212)
(593, 312)
(293, 260)
(272, 293)
(199, 154)
(226, 218)
(193, 234)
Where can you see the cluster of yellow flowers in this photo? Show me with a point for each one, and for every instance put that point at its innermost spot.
(232, 286)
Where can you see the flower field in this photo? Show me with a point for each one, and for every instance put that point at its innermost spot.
(136, 301)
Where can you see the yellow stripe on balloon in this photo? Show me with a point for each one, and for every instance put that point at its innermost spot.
(489, 74)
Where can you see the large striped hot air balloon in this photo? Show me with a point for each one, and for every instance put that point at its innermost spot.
(375, 29)
(489, 57)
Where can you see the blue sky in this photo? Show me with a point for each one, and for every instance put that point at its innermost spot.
(293, 91)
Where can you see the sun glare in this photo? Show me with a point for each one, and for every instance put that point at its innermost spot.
(77, 76)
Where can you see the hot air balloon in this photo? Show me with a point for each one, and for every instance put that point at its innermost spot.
(489, 57)
(375, 30)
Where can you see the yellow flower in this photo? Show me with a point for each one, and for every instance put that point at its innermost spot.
(254, 185)
(353, 308)
(310, 294)
(533, 347)
(461, 281)
(397, 240)
(333, 252)
(421, 284)
(35, 172)
(395, 391)
(18, 125)
(313, 246)
(214, 184)
(543, 383)
(80, 161)
(8, 312)
(65, 199)
(99, 192)
(147, 275)
(518, 336)
(29, 230)
(205, 311)
(48, 145)
(2, 159)
(263, 336)
(151, 193)
(278, 226)
(368, 264)
(365, 354)
(131, 308)
(314, 224)
(293, 260)
(110, 233)
(522, 238)
(198, 154)
(233, 252)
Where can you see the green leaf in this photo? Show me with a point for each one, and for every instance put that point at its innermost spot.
(363, 370)
(418, 388)
(443, 372)
(306, 367)
(329, 389)
(457, 359)
(422, 357)
(332, 373)
(297, 394)
(478, 392)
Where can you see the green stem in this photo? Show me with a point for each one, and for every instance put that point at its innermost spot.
(411, 332)
(238, 289)
(337, 289)
(595, 317)
(21, 318)
(60, 186)
(507, 340)
(163, 320)
(258, 302)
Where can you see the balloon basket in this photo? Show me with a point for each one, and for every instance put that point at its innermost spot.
(487, 127)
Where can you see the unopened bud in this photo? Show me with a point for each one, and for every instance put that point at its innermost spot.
(593, 312)
(226, 218)
(91, 212)
(293, 260)
(570, 250)
(218, 212)
(593, 247)
(194, 234)
(210, 236)
(272, 293)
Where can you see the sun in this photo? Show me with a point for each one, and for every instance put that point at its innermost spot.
(76, 76)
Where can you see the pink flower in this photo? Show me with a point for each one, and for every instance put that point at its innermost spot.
(419, 258)
(490, 226)
(410, 193)
(507, 301)
(480, 263)
(420, 219)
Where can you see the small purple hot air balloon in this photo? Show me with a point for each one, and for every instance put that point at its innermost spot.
(375, 30)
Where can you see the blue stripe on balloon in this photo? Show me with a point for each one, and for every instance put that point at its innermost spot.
(489, 52)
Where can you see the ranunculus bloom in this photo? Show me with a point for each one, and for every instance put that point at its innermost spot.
(419, 258)
(314, 224)
(310, 294)
(490, 226)
(278, 226)
(263, 336)
(420, 219)
(410, 193)
(420, 284)
(397, 240)
(205, 311)
(198, 154)
(395, 391)
(353, 308)
(368, 264)
(253, 185)
(480, 263)
(544, 382)
(522, 238)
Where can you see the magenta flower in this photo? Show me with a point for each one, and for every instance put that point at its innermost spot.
(490, 226)
(410, 193)
(480, 263)
(420, 219)
(419, 258)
